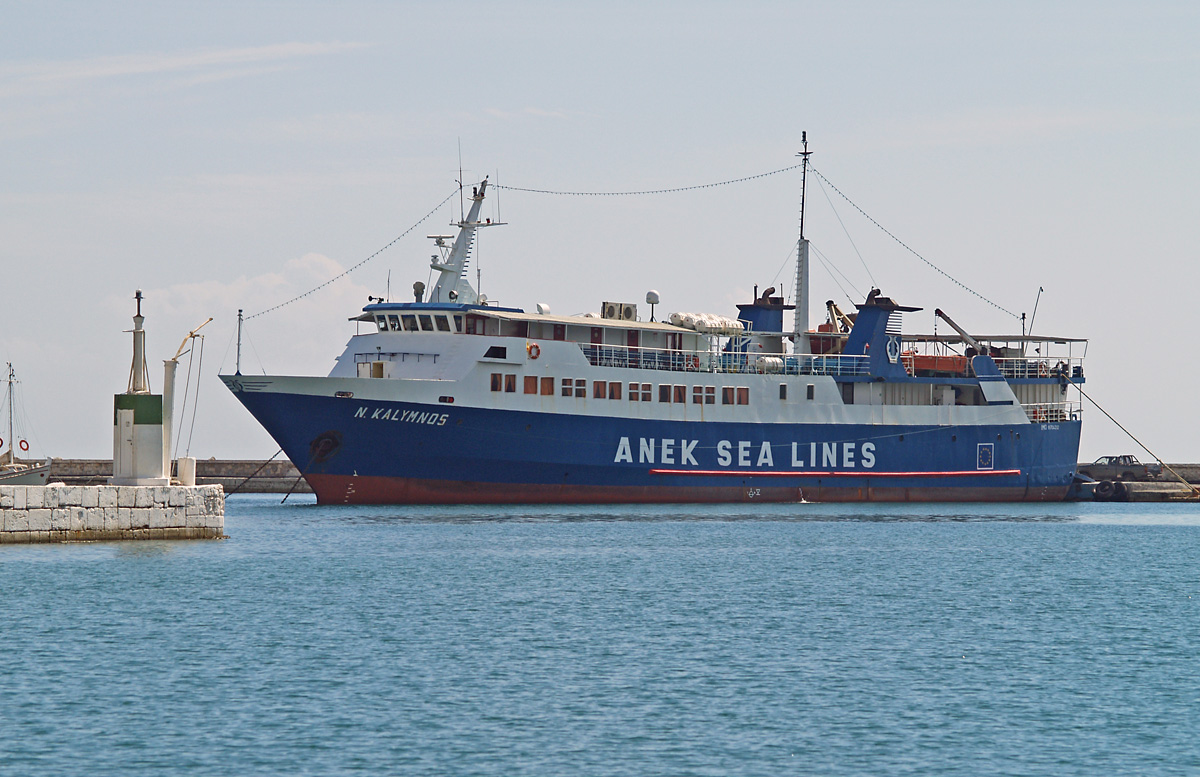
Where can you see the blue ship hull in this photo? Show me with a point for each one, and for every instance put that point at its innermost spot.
(365, 451)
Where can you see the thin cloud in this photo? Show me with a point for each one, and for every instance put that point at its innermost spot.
(32, 77)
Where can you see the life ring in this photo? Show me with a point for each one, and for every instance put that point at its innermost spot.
(533, 350)
(1, 442)
(1043, 370)
(24, 445)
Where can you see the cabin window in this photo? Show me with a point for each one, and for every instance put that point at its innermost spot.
(812, 391)
(496, 352)
(645, 392)
(426, 322)
(727, 395)
(634, 395)
(743, 395)
(560, 331)
(410, 322)
(568, 387)
(783, 391)
(394, 323)
(474, 325)
(531, 384)
(381, 322)
(496, 381)
(443, 323)
(848, 393)
(697, 395)
(599, 389)
(614, 390)
(664, 393)
(458, 324)
(681, 394)
(547, 387)
(710, 395)
(581, 388)
(510, 384)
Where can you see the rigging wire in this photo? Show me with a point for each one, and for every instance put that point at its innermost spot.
(360, 264)
(183, 410)
(838, 216)
(831, 267)
(652, 191)
(904, 245)
(196, 397)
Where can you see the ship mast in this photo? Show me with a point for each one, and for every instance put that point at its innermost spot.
(11, 457)
(800, 328)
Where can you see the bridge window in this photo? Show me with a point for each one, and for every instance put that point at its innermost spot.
(394, 323)
(443, 323)
(381, 322)
(426, 322)
(410, 322)
(458, 324)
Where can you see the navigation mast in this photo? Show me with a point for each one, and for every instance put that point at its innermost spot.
(800, 328)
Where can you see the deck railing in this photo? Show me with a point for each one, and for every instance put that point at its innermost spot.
(672, 360)
(1040, 368)
(1052, 412)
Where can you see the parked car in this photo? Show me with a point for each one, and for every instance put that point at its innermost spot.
(1124, 468)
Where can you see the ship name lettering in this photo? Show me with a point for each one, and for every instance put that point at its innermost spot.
(407, 416)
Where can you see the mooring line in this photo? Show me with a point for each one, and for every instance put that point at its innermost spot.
(260, 469)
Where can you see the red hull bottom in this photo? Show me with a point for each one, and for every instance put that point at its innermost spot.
(344, 489)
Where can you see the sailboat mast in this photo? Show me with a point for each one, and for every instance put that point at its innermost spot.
(800, 329)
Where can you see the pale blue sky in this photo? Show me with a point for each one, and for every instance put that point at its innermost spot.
(226, 155)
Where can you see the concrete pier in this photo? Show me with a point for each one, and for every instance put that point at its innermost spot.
(249, 476)
(62, 513)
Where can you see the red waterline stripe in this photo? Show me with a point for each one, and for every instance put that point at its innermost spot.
(811, 474)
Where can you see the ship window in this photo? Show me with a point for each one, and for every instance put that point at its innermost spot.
(394, 323)
(381, 321)
(530, 384)
(426, 322)
(743, 395)
(783, 391)
(496, 381)
(664, 393)
(697, 395)
(848, 393)
(727, 395)
(581, 388)
(496, 352)
(560, 331)
(614, 390)
(634, 396)
(681, 394)
(443, 323)
(710, 395)
(599, 390)
(812, 390)
(510, 384)
(458, 324)
(568, 387)
(547, 387)
(645, 392)
(410, 322)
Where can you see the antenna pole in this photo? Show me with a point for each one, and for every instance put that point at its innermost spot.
(12, 443)
(238, 370)
(801, 342)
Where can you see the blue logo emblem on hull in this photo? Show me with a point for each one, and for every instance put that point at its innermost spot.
(986, 456)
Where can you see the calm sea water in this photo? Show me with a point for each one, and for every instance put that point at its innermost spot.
(744, 640)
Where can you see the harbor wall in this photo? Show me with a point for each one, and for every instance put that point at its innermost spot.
(66, 513)
(275, 477)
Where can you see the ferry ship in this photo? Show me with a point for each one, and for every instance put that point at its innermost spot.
(451, 400)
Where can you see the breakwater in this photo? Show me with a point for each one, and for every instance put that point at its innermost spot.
(62, 513)
(253, 476)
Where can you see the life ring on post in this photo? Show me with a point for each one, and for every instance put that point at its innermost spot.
(533, 350)
(24, 445)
